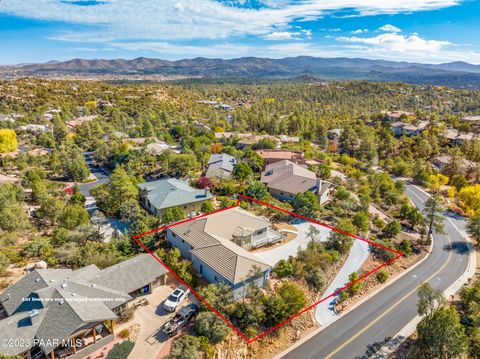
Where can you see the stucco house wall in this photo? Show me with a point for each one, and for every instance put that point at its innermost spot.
(282, 196)
(207, 272)
(179, 243)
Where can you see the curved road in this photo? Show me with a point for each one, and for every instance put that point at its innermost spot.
(385, 314)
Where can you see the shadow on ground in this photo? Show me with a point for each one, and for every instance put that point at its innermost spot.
(459, 247)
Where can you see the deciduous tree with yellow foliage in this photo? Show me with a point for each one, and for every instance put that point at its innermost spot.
(8, 140)
(435, 182)
(469, 197)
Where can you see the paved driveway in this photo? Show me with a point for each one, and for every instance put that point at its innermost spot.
(358, 254)
(324, 313)
(151, 318)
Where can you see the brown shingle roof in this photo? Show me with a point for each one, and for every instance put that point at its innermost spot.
(289, 177)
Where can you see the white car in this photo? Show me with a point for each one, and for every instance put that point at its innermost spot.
(175, 298)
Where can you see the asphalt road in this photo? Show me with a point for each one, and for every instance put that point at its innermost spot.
(101, 175)
(360, 332)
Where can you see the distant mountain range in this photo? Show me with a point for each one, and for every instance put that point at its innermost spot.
(457, 74)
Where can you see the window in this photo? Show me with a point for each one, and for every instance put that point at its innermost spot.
(216, 279)
(183, 241)
(174, 235)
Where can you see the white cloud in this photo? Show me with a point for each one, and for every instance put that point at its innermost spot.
(415, 50)
(168, 20)
(285, 35)
(399, 43)
(160, 27)
(389, 28)
(289, 35)
(179, 7)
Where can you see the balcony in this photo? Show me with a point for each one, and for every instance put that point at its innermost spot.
(267, 237)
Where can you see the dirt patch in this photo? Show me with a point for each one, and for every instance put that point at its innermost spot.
(287, 226)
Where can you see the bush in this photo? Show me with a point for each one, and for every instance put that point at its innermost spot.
(209, 325)
(317, 278)
(343, 296)
(121, 350)
(124, 333)
(283, 269)
(405, 247)
(382, 275)
(357, 286)
(187, 347)
(207, 207)
(392, 229)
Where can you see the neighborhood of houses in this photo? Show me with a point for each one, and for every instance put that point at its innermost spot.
(60, 313)
(220, 246)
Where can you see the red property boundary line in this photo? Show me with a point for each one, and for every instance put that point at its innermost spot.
(239, 199)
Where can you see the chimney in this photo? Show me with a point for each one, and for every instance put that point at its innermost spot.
(34, 315)
(207, 191)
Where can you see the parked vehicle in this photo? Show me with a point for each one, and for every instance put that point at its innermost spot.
(175, 298)
(180, 319)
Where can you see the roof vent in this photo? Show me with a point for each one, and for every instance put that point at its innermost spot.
(62, 301)
(37, 280)
(64, 285)
(92, 285)
(52, 280)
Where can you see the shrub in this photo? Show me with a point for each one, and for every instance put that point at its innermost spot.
(283, 269)
(124, 333)
(121, 350)
(209, 325)
(405, 247)
(342, 296)
(207, 207)
(317, 278)
(382, 275)
(357, 286)
(187, 347)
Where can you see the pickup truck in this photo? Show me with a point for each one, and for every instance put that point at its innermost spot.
(180, 319)
(175, 298)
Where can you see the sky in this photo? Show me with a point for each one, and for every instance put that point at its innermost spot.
(428, 31)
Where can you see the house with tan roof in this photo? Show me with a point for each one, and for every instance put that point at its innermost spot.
(455, 137)
(218, 244)
(272, 156)
(397, 115)
(286, 179)
(78, 121)
(254, 139)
